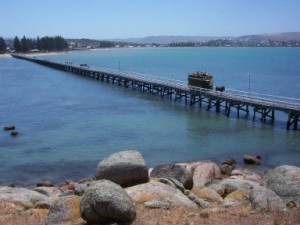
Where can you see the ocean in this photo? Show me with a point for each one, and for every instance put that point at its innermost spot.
(69, 123)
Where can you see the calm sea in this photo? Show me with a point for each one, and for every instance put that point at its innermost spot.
(68, 123)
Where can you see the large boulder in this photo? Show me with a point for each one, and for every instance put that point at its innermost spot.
(24, 197)
(175, 171)
(124, 168)
(106, 201)
(155, 190)
(263, 198)
(63, 210)
(285, 182)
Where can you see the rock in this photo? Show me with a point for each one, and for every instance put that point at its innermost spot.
(124, 168)
(200, 202)
(237, 172)
(177, 184)
(85, 180)
(285, 182)
(240, 195)
(45, 184)
(156, 204)
(252, 176)
(246, 175)
(229, 185)
(154, 190)
(10, 127)
(106, 201)
(177, 172)
(11, 214)
(205, 174)
(64, 209)
(24, 197)
(172, 182)
(52, 192)
(80, 189)
(207, 194)
(236, 198)
(252, 159)
(14, 133)
(263, 198)
(228, 166)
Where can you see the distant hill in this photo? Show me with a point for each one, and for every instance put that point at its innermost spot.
(168, 39)
(287, 36)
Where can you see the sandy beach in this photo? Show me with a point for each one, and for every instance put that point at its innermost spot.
(5, 55)
(35, 54)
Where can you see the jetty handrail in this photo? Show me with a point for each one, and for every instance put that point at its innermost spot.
(235, 95)
(249, 99)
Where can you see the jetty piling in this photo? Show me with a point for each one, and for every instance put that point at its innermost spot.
(178, 90)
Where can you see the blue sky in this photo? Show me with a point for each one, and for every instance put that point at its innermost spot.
(106, 19)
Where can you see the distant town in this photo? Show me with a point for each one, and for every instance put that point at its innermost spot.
(58, 43)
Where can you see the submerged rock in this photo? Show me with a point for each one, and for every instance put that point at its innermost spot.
(14, 133)
(10, 127)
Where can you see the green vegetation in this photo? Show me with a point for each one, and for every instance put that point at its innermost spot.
(2, 46)
(56, 43)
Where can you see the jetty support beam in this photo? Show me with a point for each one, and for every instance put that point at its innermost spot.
(294, 120)
(265, 112)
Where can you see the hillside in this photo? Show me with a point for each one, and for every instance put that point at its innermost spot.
(287, 36)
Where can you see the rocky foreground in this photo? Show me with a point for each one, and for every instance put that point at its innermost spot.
(125, 191)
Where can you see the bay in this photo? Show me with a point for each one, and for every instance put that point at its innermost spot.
(68, 123)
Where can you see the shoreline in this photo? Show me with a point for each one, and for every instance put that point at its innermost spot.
(239, 165)
(199, 192)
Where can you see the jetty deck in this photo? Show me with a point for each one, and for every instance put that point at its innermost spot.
(178, 90)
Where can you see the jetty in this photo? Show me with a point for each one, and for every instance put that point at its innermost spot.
(175, 90)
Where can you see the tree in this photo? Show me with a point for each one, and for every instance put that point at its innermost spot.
(38, 43)
(24, 46)
(17, 44)
(2, 45)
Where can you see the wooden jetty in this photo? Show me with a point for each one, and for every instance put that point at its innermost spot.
(178, 90)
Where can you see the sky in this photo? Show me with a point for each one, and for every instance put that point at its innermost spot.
(109, 19)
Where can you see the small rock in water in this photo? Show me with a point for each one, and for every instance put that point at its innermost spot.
(252, 159)
(14, 133)
(9, 127)
(44, 184)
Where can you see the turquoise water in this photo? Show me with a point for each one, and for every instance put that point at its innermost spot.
(68, 123)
